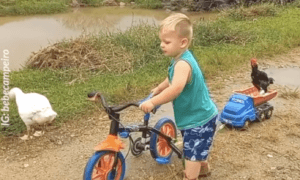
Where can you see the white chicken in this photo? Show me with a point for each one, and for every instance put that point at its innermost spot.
(34, 109)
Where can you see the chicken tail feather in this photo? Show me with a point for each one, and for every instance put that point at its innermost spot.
(271, 80)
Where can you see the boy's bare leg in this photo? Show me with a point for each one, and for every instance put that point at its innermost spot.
(204, 170)
(192, 170)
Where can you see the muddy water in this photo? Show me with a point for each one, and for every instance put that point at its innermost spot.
(285, 76)
(23, 35)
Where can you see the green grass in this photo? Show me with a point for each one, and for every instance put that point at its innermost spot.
(29, 7)
(242, 13)
(93, 3)
(26, 7)
(221, 46)
(288, 93)
(149, 4)
(69, 101)
(265, 36)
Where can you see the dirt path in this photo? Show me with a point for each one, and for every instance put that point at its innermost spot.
(267, 150)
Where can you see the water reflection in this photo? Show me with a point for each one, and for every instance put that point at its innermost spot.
(22, 35)
(106, 23)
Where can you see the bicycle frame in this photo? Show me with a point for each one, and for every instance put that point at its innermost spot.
(113, 143)
(145, 129)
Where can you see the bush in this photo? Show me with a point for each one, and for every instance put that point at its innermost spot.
(253, 12)
(151, 4)
(34, 7)
(220, 32)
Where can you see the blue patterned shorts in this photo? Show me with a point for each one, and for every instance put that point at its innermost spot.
(197, 141)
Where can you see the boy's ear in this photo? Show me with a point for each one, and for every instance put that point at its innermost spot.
(184, 43)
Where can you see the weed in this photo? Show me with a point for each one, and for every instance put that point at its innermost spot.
(23, 7)
(94, 3)
(295, 3)
(255, 11)
(288, 93)
(150, 4)
(220, 32)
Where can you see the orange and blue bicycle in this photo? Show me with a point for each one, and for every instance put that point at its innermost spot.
(108, 163)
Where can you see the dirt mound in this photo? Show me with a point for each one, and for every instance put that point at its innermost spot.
(81, 54)
(76, 53)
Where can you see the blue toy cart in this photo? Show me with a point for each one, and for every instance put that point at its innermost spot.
(247, 106)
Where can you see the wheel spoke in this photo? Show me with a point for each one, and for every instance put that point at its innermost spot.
(98, 177)
(103, 168)
(162, 146)
(104, 164)
(159, 146)
(163, 130)
(119, 169)
(167, 150)
(110, 162)
(107, 161)
(168, 131)
(99, 174)
(161, 150)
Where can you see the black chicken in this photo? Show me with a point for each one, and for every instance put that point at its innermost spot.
(259, 78)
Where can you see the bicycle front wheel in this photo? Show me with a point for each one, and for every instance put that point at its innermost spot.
(100, 165)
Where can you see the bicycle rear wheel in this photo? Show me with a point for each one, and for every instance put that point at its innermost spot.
(99, 166)
(158, 145)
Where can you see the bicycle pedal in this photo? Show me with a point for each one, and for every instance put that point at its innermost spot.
(162, 160)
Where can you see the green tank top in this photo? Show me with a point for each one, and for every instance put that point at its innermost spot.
(193, 107)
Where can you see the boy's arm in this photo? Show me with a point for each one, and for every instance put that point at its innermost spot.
(162, 86)
(181, 75)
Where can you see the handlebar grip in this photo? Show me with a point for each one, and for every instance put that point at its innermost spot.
(147, 98)
(102, 99)
(92, 94)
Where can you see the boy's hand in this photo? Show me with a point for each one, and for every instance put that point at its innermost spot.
(147, 106)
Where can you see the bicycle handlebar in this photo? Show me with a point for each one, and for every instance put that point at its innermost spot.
(117, 109)
(93, 95)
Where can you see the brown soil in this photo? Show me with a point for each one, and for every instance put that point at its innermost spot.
(267, 150)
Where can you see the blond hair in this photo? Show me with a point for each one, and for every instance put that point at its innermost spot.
(180, 23)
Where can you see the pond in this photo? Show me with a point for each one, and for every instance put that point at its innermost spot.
(285, 76)
(21, 35)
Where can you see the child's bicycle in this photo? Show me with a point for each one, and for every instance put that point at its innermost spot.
(108, 163)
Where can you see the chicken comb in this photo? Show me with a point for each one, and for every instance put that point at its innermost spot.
(253, 61)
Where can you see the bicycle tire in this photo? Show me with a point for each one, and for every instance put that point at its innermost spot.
(98, 159)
